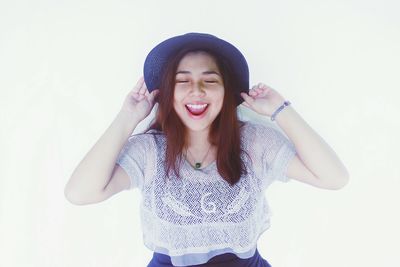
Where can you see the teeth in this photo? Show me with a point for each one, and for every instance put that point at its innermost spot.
(199, 107)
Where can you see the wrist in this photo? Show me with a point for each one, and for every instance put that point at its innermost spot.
(280, 109)
(127, 119)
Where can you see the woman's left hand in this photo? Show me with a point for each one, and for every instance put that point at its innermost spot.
(262, 99)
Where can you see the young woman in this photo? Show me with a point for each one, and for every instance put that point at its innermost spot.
(201, 171)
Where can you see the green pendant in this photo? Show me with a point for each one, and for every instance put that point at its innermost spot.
(197, 165)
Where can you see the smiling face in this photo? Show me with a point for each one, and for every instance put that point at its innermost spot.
(199, 90)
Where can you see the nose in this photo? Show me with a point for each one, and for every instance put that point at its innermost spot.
(197, 89)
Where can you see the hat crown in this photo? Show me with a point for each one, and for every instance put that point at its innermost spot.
(200, 34)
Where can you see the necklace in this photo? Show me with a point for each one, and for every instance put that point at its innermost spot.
(197, 165)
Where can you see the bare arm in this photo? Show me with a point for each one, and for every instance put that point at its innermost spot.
(316, 164)
(97, 176)
(91, 176)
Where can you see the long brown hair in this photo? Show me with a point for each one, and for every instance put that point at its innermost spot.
(229, 162)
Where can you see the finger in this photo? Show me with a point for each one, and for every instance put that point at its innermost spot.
(147, 93)
(248, 99)
(266, 89)
(256, 90)
(253, 92)
(260, 90)
(137, 86)
(152, 95)
(260, 85)
(245, 104)
(143, 88)
(138, 97)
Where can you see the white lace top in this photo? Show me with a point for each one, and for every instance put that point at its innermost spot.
(200, 216)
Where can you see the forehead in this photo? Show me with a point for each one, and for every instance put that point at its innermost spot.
(198, 59)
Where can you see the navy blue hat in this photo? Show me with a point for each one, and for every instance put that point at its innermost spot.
(159, 55)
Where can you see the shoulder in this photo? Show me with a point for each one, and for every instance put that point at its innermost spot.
(255, 127)
(264, 132)
(151, 140)
(145, 136)
(141, 141)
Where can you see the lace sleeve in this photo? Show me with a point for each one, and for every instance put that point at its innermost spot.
(132, 159)
(278, 166)
(276, 152)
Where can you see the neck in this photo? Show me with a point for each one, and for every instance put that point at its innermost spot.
(198, 140)
(199, 151)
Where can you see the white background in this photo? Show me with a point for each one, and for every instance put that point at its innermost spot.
(66, 66)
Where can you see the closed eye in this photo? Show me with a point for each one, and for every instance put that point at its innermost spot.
(184, 81)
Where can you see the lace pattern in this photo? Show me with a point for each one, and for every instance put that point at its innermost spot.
(201, 212)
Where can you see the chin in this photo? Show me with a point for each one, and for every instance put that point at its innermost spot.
(196, 126)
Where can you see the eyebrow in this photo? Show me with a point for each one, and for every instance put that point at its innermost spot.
(204, 72)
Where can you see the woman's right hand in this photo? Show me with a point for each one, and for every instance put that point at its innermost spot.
(139, 102)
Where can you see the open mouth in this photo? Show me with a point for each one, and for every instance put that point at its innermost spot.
(196, 109)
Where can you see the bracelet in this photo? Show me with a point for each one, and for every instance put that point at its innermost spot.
(286, 103)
